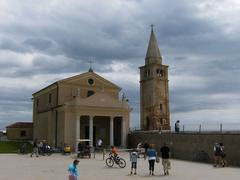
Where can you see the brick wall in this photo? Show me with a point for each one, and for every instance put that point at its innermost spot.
(192, 147)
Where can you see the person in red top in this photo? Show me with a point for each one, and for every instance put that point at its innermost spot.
(114, 151)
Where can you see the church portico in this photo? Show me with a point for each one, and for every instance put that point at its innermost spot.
(111, 129)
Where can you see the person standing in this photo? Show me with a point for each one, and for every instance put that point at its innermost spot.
(114, 151)
(133, 159)
(152, 154)
(217, 155)
(165, 158)
(73, 171)
(177, 126)
(145, 146)
(35, 148)
(223, 155)
(99, 143)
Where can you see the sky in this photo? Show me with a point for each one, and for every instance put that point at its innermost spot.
(48, 40)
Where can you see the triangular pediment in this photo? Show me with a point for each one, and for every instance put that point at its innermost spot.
(83, 80)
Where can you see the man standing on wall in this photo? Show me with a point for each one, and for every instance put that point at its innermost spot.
(177, 126)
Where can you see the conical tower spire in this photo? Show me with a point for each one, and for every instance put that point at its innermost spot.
(153, 54)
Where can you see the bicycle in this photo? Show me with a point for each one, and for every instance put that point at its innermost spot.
(111, 160)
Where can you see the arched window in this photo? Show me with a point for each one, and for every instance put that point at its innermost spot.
(164, 121)
(161, 121)
(148, 72)
(161, 74)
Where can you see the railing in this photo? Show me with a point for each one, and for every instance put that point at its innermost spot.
(203, 128)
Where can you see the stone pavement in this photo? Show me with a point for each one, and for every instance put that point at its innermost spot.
(23, 167)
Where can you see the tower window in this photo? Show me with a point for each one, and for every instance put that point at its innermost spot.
(164, 121)
(161, 121)
(50, 98)
(161, 107)
(147, 127)
(147, 73)
(159, 72)
(90, 93)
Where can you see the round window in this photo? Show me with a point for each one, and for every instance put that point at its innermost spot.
(90, 81)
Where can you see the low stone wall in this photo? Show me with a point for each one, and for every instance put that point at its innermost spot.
(192, 147)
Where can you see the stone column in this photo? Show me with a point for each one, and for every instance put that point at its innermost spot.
(77, 131)
(111, 131)
(91, 130)
(123, 134)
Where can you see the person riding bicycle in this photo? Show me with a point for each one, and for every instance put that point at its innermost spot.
(114, 152)
(115, 159)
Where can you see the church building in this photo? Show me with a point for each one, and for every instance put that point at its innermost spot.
(85, 106)
(154, 95)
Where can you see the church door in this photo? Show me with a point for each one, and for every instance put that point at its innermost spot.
(117, 131)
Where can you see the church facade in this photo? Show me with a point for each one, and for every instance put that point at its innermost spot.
(154, 93)
(85, 106)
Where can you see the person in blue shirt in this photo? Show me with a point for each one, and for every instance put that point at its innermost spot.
(72, 169)
(152, 154)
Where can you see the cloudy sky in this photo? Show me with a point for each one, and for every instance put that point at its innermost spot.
(44, 41)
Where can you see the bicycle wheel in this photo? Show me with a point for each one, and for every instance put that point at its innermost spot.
(121, 163)
(109, 162)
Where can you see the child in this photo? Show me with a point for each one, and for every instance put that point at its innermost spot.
(73, 171)
(114, 151)
(133, 159)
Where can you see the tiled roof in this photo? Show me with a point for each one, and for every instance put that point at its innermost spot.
(21, 125)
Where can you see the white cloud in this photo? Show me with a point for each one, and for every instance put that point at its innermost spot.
(121, 73)
(187, 82)
(224, 12)
(15, 59)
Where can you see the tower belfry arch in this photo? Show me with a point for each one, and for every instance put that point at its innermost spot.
(154, 93)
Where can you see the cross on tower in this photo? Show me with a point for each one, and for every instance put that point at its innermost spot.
(90, 63)
(152, 25)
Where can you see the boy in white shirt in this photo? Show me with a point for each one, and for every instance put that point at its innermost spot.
(133, 159)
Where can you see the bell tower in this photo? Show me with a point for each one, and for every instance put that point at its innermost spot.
(154, 95)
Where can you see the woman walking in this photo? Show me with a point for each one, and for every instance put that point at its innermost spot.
(152, 154)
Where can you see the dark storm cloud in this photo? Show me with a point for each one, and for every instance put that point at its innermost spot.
(120, 40)
(38, 44)
(15, 94)
(12, 45)
(15, 105)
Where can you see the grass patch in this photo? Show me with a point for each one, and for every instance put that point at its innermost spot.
(13, 146)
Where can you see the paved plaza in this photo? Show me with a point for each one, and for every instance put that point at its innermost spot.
(23, 167)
